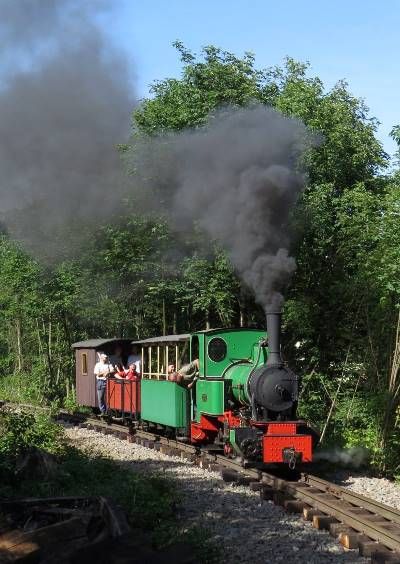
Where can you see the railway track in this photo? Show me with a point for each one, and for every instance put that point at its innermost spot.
(357, 521)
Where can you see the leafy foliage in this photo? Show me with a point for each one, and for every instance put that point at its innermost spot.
(141, 276)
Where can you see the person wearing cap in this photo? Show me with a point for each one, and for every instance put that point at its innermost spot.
(102, 370)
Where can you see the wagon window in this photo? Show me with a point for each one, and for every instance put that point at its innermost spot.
(84, 364)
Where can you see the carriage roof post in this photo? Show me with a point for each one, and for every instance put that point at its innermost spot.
(150, 362)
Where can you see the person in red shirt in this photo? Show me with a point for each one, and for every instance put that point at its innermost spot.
(132, 373)
(120, 371)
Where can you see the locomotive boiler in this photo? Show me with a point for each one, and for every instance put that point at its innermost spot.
(243, 399)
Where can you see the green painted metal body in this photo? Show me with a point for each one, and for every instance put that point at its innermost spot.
(227, 378)
(239, 374)
(168, 404)
(232, 441)
(210, 396)
(240, 345)
(165, 403)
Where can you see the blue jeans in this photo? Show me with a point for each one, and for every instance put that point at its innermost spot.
(101, 392)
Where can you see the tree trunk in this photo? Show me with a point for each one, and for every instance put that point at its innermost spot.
(393, 389)
(333, 404)
(164, 317)
(49, 340)
(40, 348)
(66, 329)
(47, 356)
(19, 345)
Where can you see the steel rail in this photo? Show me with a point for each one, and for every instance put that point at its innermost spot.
(354, 498)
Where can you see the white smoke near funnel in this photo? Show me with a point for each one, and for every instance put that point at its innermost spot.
(354, 456)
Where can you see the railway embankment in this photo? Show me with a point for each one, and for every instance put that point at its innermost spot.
(245, 528)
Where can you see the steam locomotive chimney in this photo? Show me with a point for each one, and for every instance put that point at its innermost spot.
(274, 338)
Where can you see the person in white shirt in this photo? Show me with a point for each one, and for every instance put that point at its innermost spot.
(102, 370)
(135, 358)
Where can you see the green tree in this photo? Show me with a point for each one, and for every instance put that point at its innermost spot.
(342, 300)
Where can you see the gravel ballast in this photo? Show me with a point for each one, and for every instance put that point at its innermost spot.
(380, 489)
(247, 529)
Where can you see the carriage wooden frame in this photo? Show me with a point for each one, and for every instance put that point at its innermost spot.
(158, 353)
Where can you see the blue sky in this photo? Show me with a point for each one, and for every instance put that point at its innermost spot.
(355, 40)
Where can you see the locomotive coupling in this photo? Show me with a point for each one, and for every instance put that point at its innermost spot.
(291, 457)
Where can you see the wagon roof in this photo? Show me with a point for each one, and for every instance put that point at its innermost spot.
(94, 343)
(163, 339)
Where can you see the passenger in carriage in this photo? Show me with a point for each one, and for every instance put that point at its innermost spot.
(172, 374)
(135, 358)
(103, 368)
(187, 375)
(132, 373)
(120, 371)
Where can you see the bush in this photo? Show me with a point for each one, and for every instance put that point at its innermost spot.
(149, 500)
(21, 433)
(145, 498)
(20, 388)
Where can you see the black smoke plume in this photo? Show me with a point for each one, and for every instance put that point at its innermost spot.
(239, 178)
(65, 102)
